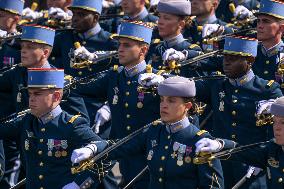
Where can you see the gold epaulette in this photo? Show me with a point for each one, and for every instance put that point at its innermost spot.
(155, 123)
(115, 68)
(269, 84)
(74, 118)
(193, 46)
(156, 41)
(160, 72)
(201, 132)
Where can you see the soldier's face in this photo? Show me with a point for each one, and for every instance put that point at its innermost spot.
(269, 28)
(201, 7)
(173, 109)
(32, 54)
(58, 3)
(7, 20)
(130, 52)
(131, 7)
(169, 25)
(234, 66)
(278, 129)
(40, 101)
(83, 20)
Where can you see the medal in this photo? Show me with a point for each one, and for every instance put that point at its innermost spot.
(139, 105)
(27, 145)
(64, 144)
(181, 152)
(64, 153)
(19, 97)
(187, 158)
(49, 153)
(57, 154)
(150, 155)
(115, 96)
(221, 104)
(154, 143)
(179, 161)
(176, 146)
(140, 100)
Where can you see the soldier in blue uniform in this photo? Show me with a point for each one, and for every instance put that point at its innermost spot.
(236, 102)
(48, 134)
(129, 108)
(270, 29)
(268, 156)
(174, 46)
(10, 15)
(134, 10)
(169, 144)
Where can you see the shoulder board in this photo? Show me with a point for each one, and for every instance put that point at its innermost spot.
(117, 68)
(269, 84)
(192, 46)
(74, 118)
(155, 41)
(155, 123)
(201, 132)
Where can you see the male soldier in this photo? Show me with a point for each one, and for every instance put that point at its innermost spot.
(234, 102)
(10, 15)
(130, 109)
(267, 156)
(48, 135)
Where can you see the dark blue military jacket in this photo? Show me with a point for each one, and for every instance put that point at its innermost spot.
(269, 157)
(169, 165)
(10, 54)
(267, 63)
(234, 107)
(47, 145)
(130, 109)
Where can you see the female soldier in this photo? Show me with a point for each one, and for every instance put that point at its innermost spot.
(169, 143)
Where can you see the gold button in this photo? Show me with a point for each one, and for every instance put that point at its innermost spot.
(234, 113)
(199, 33)
(161, 169)
(160, 180)
(235, 101)
(41, 188)
(283, 170)
(280, 180)
(1, 48)
(128, 128)
(128, 82)
(39, 152)
(234, 124)
(41, 164)
(169, 136)
(265, 72)
(42, 129)
(163, 158)
(80, 73)
(84, 42)
(234, 136)
(53, 58)
(236, 91)
(267, 62)
(83, 187)
(126, 105)
(198, 43)
(128, 116)
(166, 147)
(127, 93)
(40, 177)
(41, 140)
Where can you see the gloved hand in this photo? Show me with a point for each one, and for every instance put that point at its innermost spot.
(242, 12)
(84, 153)
(172, 54)
(253, 171)
(58, 13)
(154, 2)
(108, 4)
(150, 79)
(28, 13)
(103, 115)
(3, 33)
(208, 145)
(264, 106)
(83, 53)
(209, 29)
(71, 185)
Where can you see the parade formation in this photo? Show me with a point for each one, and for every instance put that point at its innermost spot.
(137, 94)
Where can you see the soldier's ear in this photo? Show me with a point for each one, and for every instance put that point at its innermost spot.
(188, 105)
(46, 52)
(56, 96)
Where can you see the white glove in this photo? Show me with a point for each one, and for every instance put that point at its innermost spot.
(84, 153)
(150, 79)
(71, 185)
(83, 53)
(242, 12)
(207, 145)
(209, 29)
(58, 13)
(103, 115)
(108, 4)
(172, 54)
(154, 2)
(264, 106)
(28, 13)
(3, 33)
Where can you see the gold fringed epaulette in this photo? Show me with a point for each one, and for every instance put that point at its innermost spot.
(192, 46)
(155, 123)
(74, 118)
(201, 132)
(269, 84)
